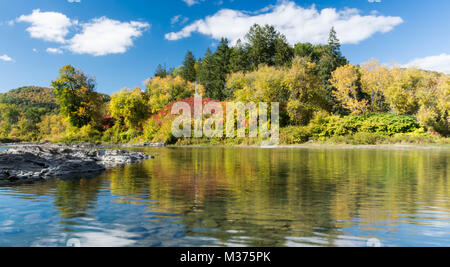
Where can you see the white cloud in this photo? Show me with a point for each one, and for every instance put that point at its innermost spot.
(179, 19)
(440, 63)
(6, 58)
(103, 36)
(52, 50)
(99, 37)
(49, 26)
(192, 2)
(74, 1)
(297, 23)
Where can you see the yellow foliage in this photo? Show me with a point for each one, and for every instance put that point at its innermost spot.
(129, 107)
(401, 93)
(163, 91)
(52, 127)
(375, 79)
(346, 81)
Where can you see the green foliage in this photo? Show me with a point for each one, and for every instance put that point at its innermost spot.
(295, 135)
(238, 58)
(129, 107)
(365, 129)
(154, 132)
(209, 76)
(163, 91)
(267, 46)
(76, 96)
(297, 88)
(27, 127)
(86, 133)
(381, 123)
(162, 71)
(52, 127)
(9, 116)
(188, 71)
(31, 97)
(311, 82)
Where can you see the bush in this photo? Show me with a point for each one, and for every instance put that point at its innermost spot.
(364, 129)
(295, 135)
(86, 133)
(380, 123)
(367, 139)
(150, 130)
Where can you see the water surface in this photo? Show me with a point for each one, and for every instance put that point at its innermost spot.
(242, 197)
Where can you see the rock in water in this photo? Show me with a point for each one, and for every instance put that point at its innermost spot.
(30, 163)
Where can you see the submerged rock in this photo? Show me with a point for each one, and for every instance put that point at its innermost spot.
(25, 164)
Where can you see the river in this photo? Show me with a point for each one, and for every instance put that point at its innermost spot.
(242, 197)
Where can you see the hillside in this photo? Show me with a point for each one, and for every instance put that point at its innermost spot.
(31, 96)
(34, 96)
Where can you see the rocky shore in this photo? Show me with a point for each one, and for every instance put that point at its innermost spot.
(27, 164)
(83, 145)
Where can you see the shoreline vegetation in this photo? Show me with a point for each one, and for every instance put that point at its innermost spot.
(324, 100)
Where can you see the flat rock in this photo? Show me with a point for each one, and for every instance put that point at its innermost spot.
(23, 164)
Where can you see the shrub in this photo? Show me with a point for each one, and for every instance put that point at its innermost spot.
(367, 139)
(295, 135)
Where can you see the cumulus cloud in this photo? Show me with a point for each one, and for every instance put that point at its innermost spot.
(6, 58)
(103, 36)
(99, 37)
(49, 26)
(299, 24)
(440, 63)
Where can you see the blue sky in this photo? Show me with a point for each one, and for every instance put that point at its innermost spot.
(121, 42)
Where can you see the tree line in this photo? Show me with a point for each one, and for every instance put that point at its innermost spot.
(314, 84)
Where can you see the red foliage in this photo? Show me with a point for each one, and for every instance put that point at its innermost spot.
(107, 122)
(190, 101)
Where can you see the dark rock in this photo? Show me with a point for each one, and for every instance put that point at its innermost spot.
(30, 163)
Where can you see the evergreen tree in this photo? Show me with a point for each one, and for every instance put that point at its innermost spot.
(309, 51)
(283, 52)
(261, 44)
(222, 57)
(331, 59)
(188, 71)
(161, 71)
(206, 74)
(265, 45)
(238, 58)
(221, 66)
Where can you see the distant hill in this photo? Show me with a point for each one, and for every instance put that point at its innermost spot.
(34, 96)
(31, 96)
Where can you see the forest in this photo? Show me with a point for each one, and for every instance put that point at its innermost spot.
(323, 98)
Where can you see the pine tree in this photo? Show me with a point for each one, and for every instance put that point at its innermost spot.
(206, 74)
(331, 59)
(261, 45)
(188, 71)
(161, 71)
(238, 58)
(283, 52)
(265, 45)
(221, 66)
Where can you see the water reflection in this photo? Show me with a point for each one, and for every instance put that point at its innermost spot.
(242, 197)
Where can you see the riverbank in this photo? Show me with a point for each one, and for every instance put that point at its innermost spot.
(218, 144)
